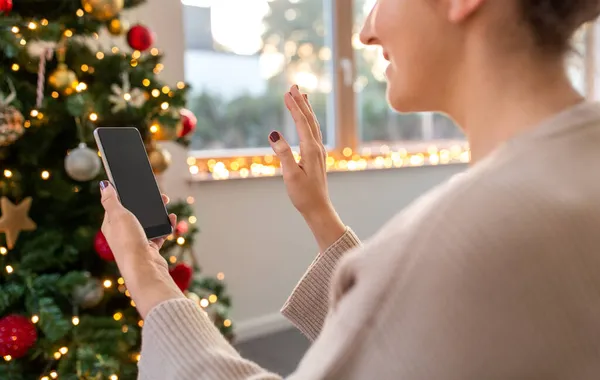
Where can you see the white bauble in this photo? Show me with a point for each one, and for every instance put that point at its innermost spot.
(82, 163)
(88, 295)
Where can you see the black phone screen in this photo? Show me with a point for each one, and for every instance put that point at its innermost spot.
(132, 176)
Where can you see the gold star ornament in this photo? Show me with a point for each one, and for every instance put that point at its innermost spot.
(14, 219)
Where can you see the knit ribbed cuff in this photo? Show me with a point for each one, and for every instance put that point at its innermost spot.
(308, 304)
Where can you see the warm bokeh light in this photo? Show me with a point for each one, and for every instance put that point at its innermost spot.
(239, 31)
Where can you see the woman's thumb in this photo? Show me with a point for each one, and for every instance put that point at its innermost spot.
(283, 151)
(110, 199)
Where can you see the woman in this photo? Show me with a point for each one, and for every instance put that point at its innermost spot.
(492, 275)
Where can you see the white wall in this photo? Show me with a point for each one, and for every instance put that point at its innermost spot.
(249, 230)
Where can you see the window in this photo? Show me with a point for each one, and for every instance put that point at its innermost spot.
(240, 59)
(242, 55)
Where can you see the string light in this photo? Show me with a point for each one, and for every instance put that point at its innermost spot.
(146, 82)
(180, 85)
(44, 378)
(190, 200)
(63, 350)
(115, 50)
(114, 377)
(173, 259)
(204, 302)
(9, 269)
(134, 63)
(53, 374)
(166, 89)
(7, 358)
(79, 13)
(220, 276)
(192, 219)
(154, 51)
(227, 323)
(155, 93)
(27, 124)
(93, 116)
(212, 298)
(121, 281)
(136, 54)
(35, 319)
(75, 321)
(141, 323)
(154, 128)
(117, 316)
(15, 29)
(3, 251)
(84, 68)
(34, 113)
(181, 240)
(15, 67)
(32, 25)
(68, 33)
(107, 283)
(127, 96)
(132, 303)
(100, 55)
(138, 357)
(127, 293)
(45, 174)
(55, 94)
(8, 173)
(57, 355)
(81, 86)
(44, 22)
(164, 106)
(23, 42)
(124, 329)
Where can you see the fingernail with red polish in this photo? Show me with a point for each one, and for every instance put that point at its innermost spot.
(274, 136)
(103, 184)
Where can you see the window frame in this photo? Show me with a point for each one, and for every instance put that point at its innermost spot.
(344, 142)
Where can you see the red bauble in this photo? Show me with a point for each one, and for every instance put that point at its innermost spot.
(17, 336)
(6, 6)
(181, 228)
(102, 248)
(140, 38)
(182, 275)
(188, 122)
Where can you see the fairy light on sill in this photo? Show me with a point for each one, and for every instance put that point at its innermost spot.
(265, 166)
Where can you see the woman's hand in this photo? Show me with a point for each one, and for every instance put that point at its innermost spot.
(144, 270)
(306, 181)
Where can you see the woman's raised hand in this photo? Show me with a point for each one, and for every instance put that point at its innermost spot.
(306, 180)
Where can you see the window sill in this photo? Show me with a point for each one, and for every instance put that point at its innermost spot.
(205, 170)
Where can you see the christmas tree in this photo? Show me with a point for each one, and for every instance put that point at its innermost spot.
(64, 310)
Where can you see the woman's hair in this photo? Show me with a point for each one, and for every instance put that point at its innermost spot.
(553, 22)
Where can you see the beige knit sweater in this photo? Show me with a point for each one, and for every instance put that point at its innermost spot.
(492, 275)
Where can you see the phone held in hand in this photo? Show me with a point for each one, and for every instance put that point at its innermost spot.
(128, 168)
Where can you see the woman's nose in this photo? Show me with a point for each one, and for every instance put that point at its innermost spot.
(367, 34)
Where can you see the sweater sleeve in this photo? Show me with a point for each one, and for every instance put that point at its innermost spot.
(308, 304)
(179, 341)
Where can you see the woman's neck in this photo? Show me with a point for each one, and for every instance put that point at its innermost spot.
(505, 99)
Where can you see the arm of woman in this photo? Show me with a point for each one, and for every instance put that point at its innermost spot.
(306, 184)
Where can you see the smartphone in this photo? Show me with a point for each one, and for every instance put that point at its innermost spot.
(128, 168)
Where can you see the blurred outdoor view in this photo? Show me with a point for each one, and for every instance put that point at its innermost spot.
(242, 56)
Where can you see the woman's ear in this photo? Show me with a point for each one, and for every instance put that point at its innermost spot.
(460, 10)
